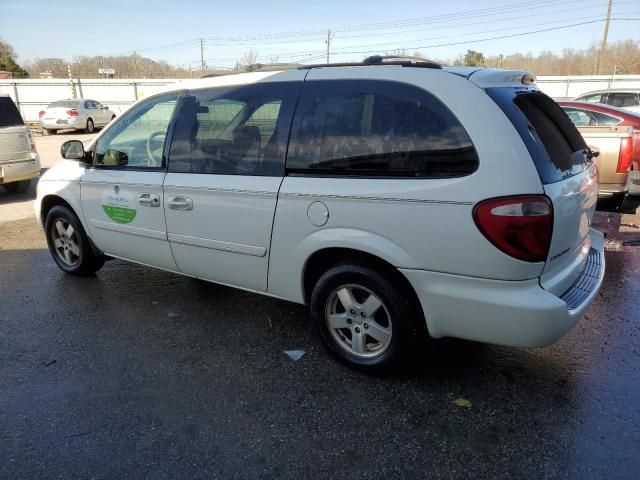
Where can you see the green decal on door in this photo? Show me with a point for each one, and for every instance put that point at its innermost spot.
(119, 214)
(116, 206)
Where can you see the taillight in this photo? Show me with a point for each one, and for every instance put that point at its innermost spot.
(32, 143)
(41, 114)
(636, 149)
(520, 226)
(626, 155)
(73, 112)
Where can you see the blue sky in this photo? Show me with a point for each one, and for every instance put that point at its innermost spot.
(170, 30)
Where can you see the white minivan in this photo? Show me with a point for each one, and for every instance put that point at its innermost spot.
(388, 196)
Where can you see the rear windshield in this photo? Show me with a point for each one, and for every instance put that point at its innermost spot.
(9, 114)
(557, 148)
(64, 104)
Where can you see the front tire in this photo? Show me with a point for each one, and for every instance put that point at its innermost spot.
(363, 318)
(68, 243)
(90, 126)
(17, 187)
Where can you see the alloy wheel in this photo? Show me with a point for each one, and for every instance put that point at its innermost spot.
(359, 321)
(65, 242)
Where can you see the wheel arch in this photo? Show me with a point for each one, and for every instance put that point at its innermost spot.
(321, 260)
(52, 200)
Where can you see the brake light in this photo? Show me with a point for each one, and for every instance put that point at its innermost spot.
(520, 226)
(626, 155)
(73, 112)
(41, 114)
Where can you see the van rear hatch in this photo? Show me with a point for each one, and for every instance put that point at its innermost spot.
(14, 139)
(568, 174)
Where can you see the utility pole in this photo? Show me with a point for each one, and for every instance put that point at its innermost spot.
(328, 42)
(202, 55)
(135, 65)
(604, 39)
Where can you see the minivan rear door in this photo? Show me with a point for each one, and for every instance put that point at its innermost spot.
(568, 174)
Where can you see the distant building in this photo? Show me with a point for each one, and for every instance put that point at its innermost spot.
(5, 75)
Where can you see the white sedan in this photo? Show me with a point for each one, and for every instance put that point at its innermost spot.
(84, 114)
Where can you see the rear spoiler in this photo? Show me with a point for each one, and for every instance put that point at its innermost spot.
(493, 77)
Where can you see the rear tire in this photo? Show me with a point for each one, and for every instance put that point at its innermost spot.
(17, 187)
(68, 243)
(363, 318)
(90, 126)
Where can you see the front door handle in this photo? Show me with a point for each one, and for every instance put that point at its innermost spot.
(149, 199)
(180, 203)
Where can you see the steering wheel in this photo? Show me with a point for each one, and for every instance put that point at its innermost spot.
(154, 162)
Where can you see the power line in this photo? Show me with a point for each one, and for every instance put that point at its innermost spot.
(466, 42)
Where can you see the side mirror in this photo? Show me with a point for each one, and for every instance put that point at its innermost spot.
(72, 150)
(104, 107)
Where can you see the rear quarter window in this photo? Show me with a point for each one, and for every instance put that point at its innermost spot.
(555, 145)
(377, 128)
(9, 114)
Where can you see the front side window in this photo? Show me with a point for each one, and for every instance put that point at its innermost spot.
(594, 98)
(579, 118)
(137, 139)
(234, 130)
(377, 128)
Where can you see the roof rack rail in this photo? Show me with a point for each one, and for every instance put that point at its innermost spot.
(381, 60)
(254, 67)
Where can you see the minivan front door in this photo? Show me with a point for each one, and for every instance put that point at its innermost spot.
(121, 192)
(226, 165)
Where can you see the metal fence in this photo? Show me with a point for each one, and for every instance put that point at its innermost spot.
(32, 96)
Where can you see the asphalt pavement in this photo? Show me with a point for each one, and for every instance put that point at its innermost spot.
(139, 373)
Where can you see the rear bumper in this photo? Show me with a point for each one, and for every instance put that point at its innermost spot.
(513, 313)
(20, 170)
(609, 190)
(73, 122)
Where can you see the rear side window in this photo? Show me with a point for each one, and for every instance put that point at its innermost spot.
(9, 114)
(377, 128)
(557, 148)
(605, 120)
(622, 100)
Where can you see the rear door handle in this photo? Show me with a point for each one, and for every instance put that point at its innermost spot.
(180, 203)
(149, 199)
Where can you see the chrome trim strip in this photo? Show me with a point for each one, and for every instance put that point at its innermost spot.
(123, 184)
(223, 190)
(13, 162)
(140, 232)
(375, 199)
(218, 245)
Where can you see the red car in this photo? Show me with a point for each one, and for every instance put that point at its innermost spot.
(585, 114)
